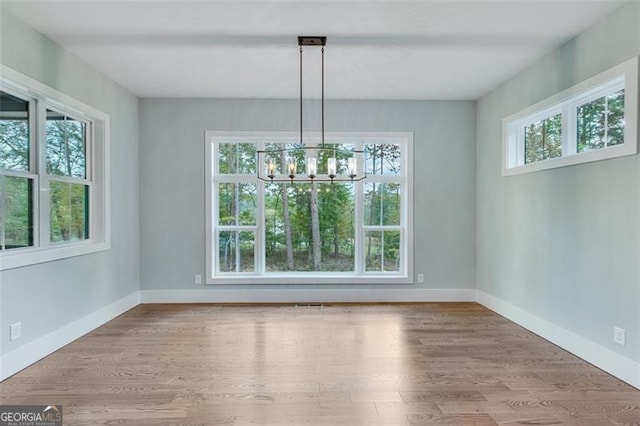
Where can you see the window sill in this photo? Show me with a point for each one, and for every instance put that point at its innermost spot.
(571, 160)
(33, 256)
(310, 279)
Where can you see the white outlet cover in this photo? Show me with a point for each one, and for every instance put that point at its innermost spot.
(619, 335)
(197, 279)
(16, 331)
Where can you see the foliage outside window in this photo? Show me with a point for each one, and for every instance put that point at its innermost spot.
(259, 230)
(52, 175)
(601, 122)
(67, 143)
(16, 173)
(543, 139)
(594, 120)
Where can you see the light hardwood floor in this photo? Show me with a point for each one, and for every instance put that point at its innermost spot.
(404, 364)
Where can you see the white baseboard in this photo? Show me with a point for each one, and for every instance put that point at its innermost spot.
(321, 295)
(613, 363)
(22, 357)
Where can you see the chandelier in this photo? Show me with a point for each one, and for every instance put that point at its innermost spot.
(321, 162)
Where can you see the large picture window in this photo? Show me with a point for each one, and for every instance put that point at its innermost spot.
(303, 232)
(53, 174)
(594, 120)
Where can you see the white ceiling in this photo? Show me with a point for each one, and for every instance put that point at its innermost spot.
(446, 49)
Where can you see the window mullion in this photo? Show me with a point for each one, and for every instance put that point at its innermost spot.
(34, 155)
(520, 146)
(34, 152)
(3, 208)
(237, 242)
(44, 189)
(259, 236)
(569, 130)
(606, 120)
(359, 218)
(89, 164)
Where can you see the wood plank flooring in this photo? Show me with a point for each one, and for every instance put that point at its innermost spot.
(401, 364)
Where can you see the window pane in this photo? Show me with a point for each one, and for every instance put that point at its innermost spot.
(543, 139)
(601, 122)
(237, 204)
(382, 159)
(66, 146)
(381, 204)
(227, 246)
(382, 251)
(227, 204)
(236, 158)
(69, 211)
(14, 133)
(236, 251)
(391, 251)
(289, 218)
(247, 244)
(373, 250)
(17, 217)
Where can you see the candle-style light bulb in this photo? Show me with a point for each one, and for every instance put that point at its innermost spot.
(331, 167)
(312, 167)
(271, 168)
(351, 167)
(291, 167)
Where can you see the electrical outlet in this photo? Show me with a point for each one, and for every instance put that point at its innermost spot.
(619, 335)
(420, 278)
(197, 279)
(16, 331)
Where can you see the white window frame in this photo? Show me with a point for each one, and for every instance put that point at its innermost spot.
(41, 98)
(623, 76)
(258, 277)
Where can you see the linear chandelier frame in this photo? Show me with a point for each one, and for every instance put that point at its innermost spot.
(312, 154)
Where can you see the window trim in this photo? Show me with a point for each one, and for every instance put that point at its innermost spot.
(292, 278)
(624, 75)
(98, 164)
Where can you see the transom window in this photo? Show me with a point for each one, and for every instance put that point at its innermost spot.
(594, 120)
(53, 168)
(308, 232)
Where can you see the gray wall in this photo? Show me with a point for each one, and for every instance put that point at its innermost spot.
(563, 244)
(50, 295)
(172, 178)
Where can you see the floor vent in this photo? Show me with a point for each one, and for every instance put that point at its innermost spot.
(309, 305)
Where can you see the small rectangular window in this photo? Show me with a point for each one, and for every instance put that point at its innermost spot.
(594, 120)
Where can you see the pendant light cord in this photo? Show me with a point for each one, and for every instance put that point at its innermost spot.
(300, 95)
(322, 96)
